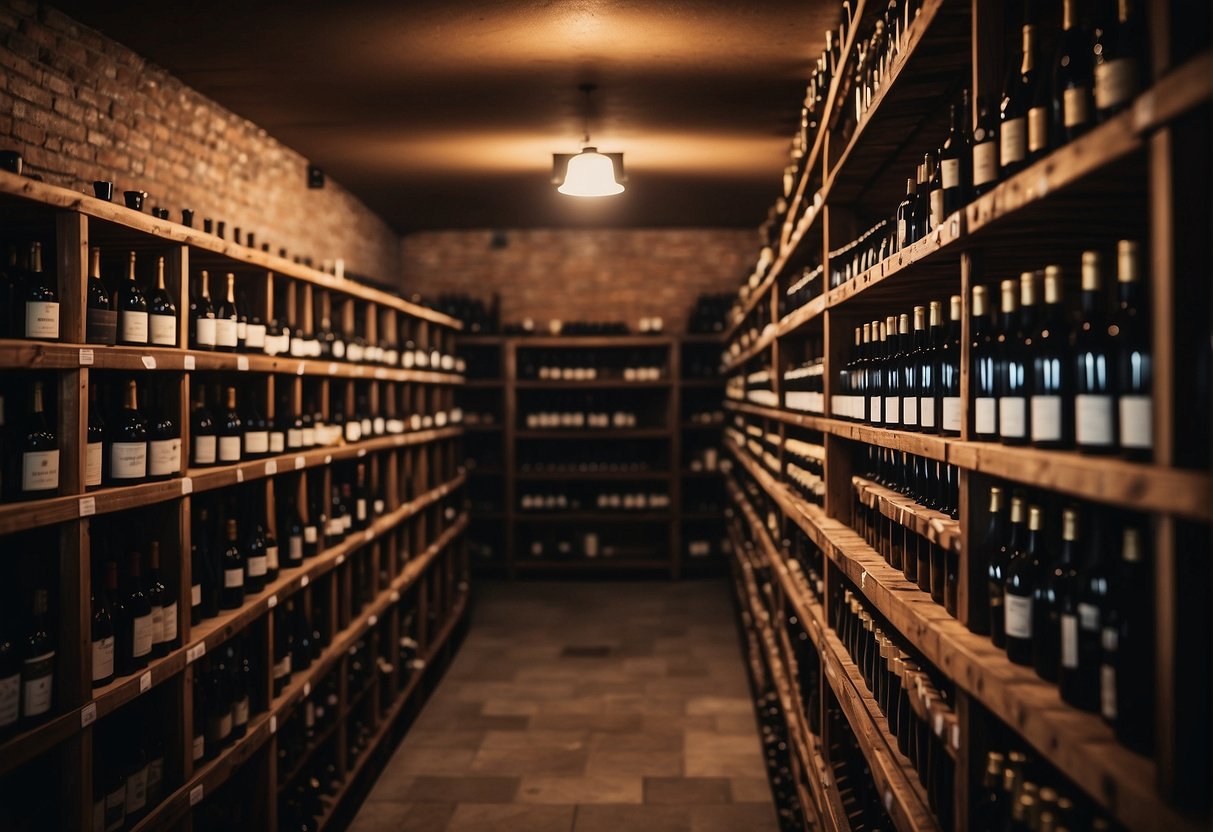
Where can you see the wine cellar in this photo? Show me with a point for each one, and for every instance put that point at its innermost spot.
(845, 462)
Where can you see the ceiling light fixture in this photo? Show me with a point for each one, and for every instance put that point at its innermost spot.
(588, 173)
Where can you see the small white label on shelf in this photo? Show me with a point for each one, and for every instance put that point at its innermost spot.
(307, 688)
(188, 362)
(394, 597)
(863, 579)
(187, 485)
(399, 441)
(149, 361)
(304, 581)
(340, 559)
(299, 462)
(368, 535)
(328, 459)
(956, 735)
(88, 714)
(380, 373)
(300, 369)
(273, 725)
(332, 368)
(242, 362)
(372, 620)
(145, 682)
(86, 357)
(271, 602)
(271, 468)
(196, 795)
(888, 800)
(195, 653)
(361, 453)
(239, 475)
(88, 506)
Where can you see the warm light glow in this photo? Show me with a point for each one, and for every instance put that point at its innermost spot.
(590, 174)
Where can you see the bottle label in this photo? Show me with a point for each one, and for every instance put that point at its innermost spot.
(199, 747)
(309, 437)
(240, 711)
(165, 457)
(1012, 417)
(204, 450)
(168, 626)
(254, 337)
(1115, 83)
(136, 791)
(94, 462)
(909, 411)
(949, 173)
(241, 331)
(353, 431)
(282, 668)
(926, 411)
(225, 332)
(985, 413)
(1076, 105)
(37, 676)
(937, 208)
(1136, 422)
(196, 595)
(295, 550)
(103, 658)
(338, 349)
(101, 326)
(294, 438)
(41, 320)
(985, 163)
(233, 578)
(1093, 419)
(277, 442)
(1046, 418)
(133, 327)
(229, 448)
(1018, 611)
(164, 330)
(271, 558)
(310, 534)
(206, 332)
(1069, 641)
(1107, 691)
(157, 625)
(874, 409)
(1038, 129)
(115, 809)
(40, 471)
(128, 460)
(1012, 142)
(951, 413)
(892, 410)
(142, 633)
(256, 442)
(901, 233)
(256, 567)
(10, 699)
(1088, 617)
(360, 509)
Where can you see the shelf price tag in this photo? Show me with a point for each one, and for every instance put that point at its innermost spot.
(361, 453)
(340, 559)
(88, 506)
(301, 369)
(242, 363)
(145, 682)
(86, 357)
(328, 459)
(88, 714)
(372, 620)
(368, 535)
(271, 602)
(394, 597)
(299, 462)
(149, 361)
(273, 724)
(196, 795)
(188, 362)
(332, 368)
(187, 485)
(304, 581)
(271, 468)
(195, 653)
(863, 579)
(307, 688)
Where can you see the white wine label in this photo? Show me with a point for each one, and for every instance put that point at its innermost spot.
(136, 791)
(132, 327)
(294, 438)
(40, 471)
(240, 711)
(10, 699)
(949, 173)
(168, 628)
(128, 460)
(204, 450)
(143, 632)
(1012, 141)
(164, 458)
(1107, 691)
(233, 578)
(951, 413)
(295, 549)
(196, 595)
(206, 332)
(909, 411)
(271, 558)
(936, 208)
(254, 337)
(1046, 418)
(1136, 422)
(892, 410)
(1088, 617)
(103, 658)
(41, 320)
(229, 448)
(1038, 129)
(985, 163)
(1069, 641)
(164, 330)
(926, 411)
(225, 332)
(1012, 417)
(1018, 615)
(256, 442)
(309, 534)
(94, 462)
(874, 409)
(308, 437)
(901, 233)
(1115, 83)
(1093, 420)
(257, 566)
(37, 676)
(199, 747)
(985, 416)
(1076, 104)
(277, 444)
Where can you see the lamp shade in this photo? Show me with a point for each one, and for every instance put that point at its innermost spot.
(590, 173)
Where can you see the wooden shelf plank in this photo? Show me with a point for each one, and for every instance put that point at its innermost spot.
(592, 476)
(594, 341)
(935, 526)
(801, 317)
(598, 383)
(602, 516)
(592, 433)
(764, 341)
(591, 564)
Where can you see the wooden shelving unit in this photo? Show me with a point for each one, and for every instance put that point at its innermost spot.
(414, 549)
(1126, 177)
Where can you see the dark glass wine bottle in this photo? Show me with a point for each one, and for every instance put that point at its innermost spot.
(983, 148)
(203, 436)
(132, 310)
(101, 323)
(1118, 59)
(138, 641)
(1062, 595)
(102, 629)
(94, 459)
(39, 449)
(1021, 578)
(162, 312)
(255, 563)
(202, 316)
(1093, 400)
(38, 662)
(949, 371)
(167, 633)
(985, 371)
(41, 300)
(1072, 106)
(231, 595)
(128, 442)
(1015, 332)
(905, 218)
(1126, 683)
(1129, 336)
(1013, 112)
(256, 431)
(230, 431)
(1052, 403)
(997, 545)
(293, 531)
(954, 159)
(911, 370)
(227, 318)
(164, 438)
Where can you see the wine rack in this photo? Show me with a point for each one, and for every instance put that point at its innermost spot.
(1128, 176)
(401, 572)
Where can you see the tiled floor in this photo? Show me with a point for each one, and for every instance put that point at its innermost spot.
(585, 707)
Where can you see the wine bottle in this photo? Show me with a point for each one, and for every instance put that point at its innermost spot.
(94, 455)
(1129, 335)
(255, 562)
(41, 300)
(37, 662)
(1052, 405)
(954, 158)
(898, 328)
(949, 371)
(361, 506)
(1093, 401)
(128, 442)
(1015, 339)
(1013, 112)
(935, 203)
(218, 710)
(230, 431)
(102, 629)
(162, 312)
(1062, 615)
(101, 321)
(912, 375)
(1117, 50)
(301, 640)
(1021, 578)
(164, 622)
(985, 374)
(293, 531)
(231, 595)
(279, 427)
(1126, 683)
(139, 616)
(1040, 137)
(241, 685)
(256, 431)
(132, 310)
(983, 148)
(241, 322)
(1072, 114)
(281, 672)
(272, 561)
(876, 373)
(905, 217)
(997, 546)
(226, 319)
(202, 316)
(39, 452)
(164, 439)
(203, 437)
(205, 568)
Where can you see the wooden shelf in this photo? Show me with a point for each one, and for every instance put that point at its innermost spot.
(593, 341)
(591, 384)
(473, 340)
(701, 382)
(592, 433)
(484, 384)
(592, 564)
(763, 342)
(592, 476)
(604, 516)
(935, 526)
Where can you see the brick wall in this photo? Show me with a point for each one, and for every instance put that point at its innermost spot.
(80, 107)
(583, 275)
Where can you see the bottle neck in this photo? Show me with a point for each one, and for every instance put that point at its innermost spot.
(132, 396)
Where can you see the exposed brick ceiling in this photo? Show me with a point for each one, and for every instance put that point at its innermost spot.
(445, 114)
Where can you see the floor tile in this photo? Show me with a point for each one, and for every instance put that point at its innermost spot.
(475, 789)
(612, 818)
(686, 791)
(511, 818)
(383, 816)
(599, 788)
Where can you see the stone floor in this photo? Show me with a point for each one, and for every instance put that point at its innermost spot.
(584, 707)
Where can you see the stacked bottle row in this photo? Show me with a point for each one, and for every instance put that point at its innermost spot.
(132, 770)
(535, 458)
(804, 387)
(574, 410)
(569, 498)
(479, 318)
(593, 365)
(806, 287)
(777, 754)
(572, 541)
(804, 467)
(708, 314)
